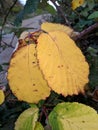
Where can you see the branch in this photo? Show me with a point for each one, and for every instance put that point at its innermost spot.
(8, 44)
(59, 9)
(86, 31)
(5, 19)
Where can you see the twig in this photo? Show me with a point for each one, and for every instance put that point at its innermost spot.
(86, 31)
(12, 39)
(43, 112)
(59, 9)
(5, 19)
(8, 45)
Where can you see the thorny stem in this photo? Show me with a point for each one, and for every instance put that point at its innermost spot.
(59, 9)
(86, 31)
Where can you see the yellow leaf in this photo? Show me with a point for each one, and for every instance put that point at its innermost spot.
(77, 3)
(62, 63)
(49, 27)
(25, 78)
(2, 97)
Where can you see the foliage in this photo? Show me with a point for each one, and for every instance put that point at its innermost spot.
(47, 27)
(79, 17)
(94, 15)
(27, 120)
(62, 72)
(56, 71)
(64, 116)
(33, 87)
(37, 71)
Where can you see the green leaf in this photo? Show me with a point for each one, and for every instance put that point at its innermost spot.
(44, 6)
(94, 15)
(92, 51)
(50, 9)
(38, 126)
(27, 120)
(73, 116)
(91, 4)
(84, 12)
(30, 7)
(32, 105)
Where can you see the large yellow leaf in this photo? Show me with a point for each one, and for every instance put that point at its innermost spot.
(62, 63)
(77, 3)
(49, 27)
(2, 97)
(25, 78)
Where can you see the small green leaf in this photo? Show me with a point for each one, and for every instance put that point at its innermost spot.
(92, 51)
(38, 126)
(44, 6)
(73, 116)
(94, 15)
(27, 120)
(91, 4)
(50, 9)
(32, 105)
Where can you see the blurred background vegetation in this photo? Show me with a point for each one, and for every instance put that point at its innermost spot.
(83, 19)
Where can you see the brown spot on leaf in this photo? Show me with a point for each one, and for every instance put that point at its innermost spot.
(35, 90)
(37, 61)
(62, 66)
(58, 66)
(33, 62)
(35, 54)
(50, 77)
